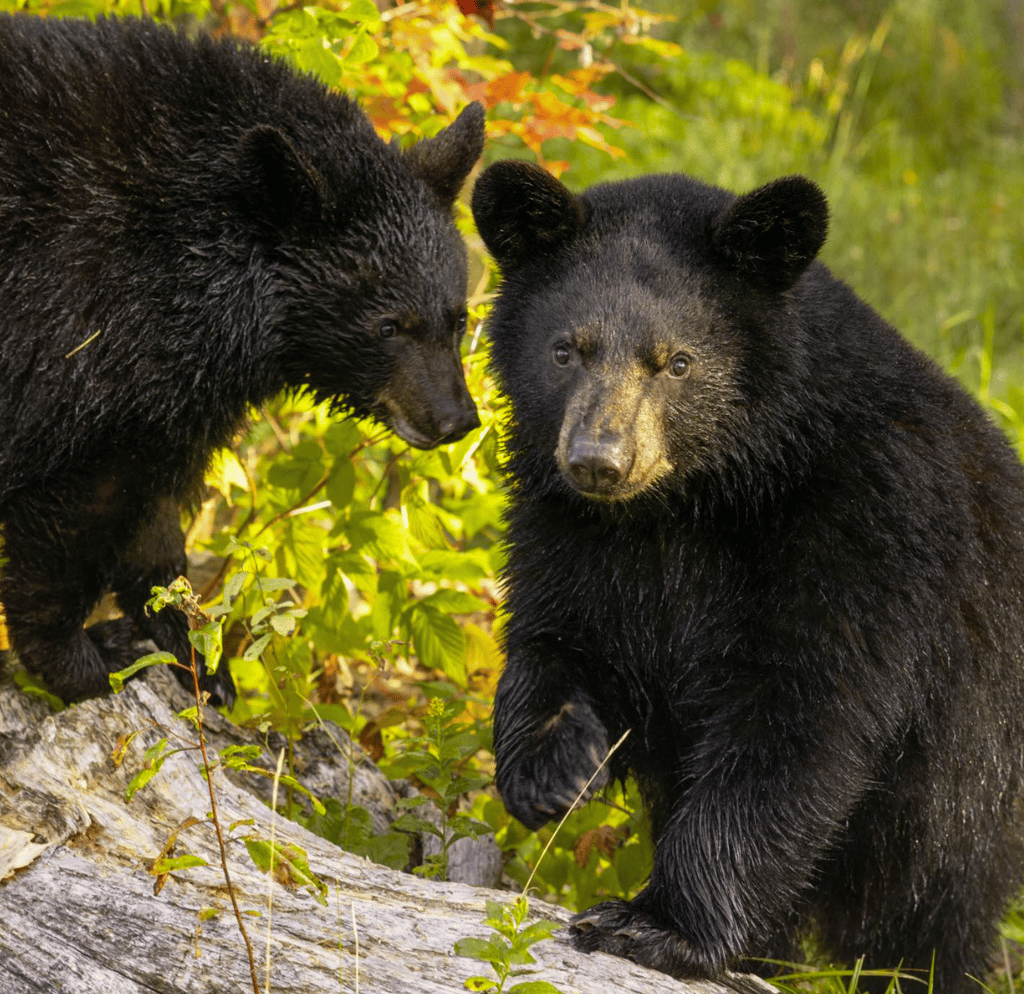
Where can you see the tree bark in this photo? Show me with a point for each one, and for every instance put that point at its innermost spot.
(82, 913)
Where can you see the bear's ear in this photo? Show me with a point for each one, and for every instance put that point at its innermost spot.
(773, 234)
(279, 186)
(444, 161)
(523, 212)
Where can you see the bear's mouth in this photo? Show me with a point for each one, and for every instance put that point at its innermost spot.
(407, 433)
(632, 486)
(391, 415)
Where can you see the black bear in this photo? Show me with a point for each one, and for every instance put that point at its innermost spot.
(752, 525)
(188, 227)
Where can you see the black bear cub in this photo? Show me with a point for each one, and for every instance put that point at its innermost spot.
(186, 229)
(752, 525)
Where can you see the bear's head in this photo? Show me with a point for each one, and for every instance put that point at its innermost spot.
(368, 272)
(643, 325)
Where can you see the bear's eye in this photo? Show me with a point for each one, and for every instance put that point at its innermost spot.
(460, 324)
(679, 365)
(388, 328)
(562, 354)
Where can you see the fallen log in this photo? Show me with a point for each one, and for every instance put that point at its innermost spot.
(84, 909)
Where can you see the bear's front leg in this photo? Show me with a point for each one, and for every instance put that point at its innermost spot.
(743, 824)
(47, 593)
(548, 742)
(156, 558)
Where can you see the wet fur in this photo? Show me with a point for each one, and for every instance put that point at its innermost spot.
(810, 618)
(187, 227)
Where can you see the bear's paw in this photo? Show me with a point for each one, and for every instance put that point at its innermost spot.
(620, 928)
(557, 769)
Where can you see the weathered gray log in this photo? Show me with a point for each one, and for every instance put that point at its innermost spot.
(78, 912)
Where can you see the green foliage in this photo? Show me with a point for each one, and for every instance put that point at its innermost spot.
(441, 760)
(601, 851)
(350, 827)
(152, 761)
(288, 863)
(507, 950)
(848, 981)
(397, 547)
(329, 43)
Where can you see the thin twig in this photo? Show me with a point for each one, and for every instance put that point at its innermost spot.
(586, 786)
(355, 932)
(270, 875)
(216, 825)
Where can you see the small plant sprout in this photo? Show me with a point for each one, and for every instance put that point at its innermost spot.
(439, 760)
(507, 950)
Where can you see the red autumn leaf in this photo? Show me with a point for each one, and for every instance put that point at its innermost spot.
(482, 8)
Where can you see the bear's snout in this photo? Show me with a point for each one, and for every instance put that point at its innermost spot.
(599, 465)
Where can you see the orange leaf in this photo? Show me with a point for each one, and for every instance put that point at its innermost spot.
(604, 839)
(509, 87)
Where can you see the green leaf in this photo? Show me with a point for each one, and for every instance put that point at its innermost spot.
(256, 622)
(233, 753)
(538, 931)
(152, 760)
(270, 584)
(288, 861)
(303, 467)
(283, 624)
(208, 641)
(466, 566)
(392, 597)
(118, 679)
(410, 823)
(342, 438)
(479, 984)
(255, 649)
(438, 641)
(534, 987)
(140, 780)
(234, 584)
(455, 602)
(427, 522)
(363, 49)
(301, 552)
(496, 910)
(358, 569)
(167, 864)
(362, 11)
(351, 827)
(341, 484)
(491, 950)
(376, 535)
(390, 849)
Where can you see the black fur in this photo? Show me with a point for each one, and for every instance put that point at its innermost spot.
(187, 227)
(752, 525)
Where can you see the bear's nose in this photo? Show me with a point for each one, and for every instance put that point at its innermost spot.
(598, 465)
(458, 424)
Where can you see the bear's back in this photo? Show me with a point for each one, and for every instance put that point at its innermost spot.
(120, 106)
